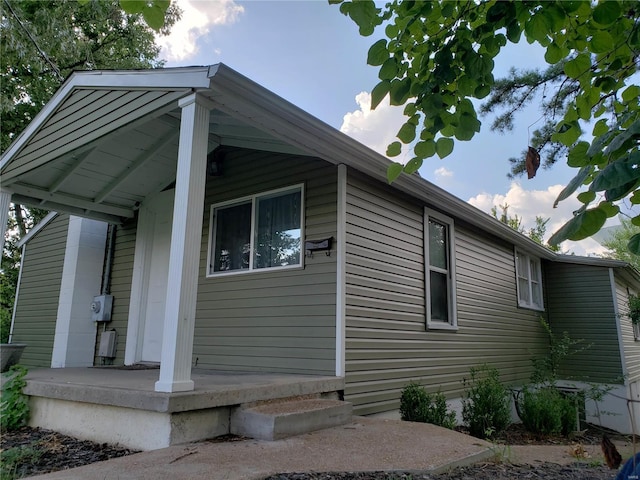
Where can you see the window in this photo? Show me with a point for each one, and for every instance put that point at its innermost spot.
(257, 233)
(529, 286)
(440, 274)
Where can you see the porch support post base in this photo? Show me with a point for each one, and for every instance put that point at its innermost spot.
(179, 386)
(184, 256)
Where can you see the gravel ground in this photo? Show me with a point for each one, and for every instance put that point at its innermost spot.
(545, 471)
(59, 452)
(52, 451)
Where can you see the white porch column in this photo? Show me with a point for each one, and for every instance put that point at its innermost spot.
(184, 256)
(75, 334)
(5, 201)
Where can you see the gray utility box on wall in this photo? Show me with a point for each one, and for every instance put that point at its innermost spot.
(108, 343)
(101, 308)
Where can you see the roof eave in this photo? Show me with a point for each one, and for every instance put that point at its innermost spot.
(337, 147)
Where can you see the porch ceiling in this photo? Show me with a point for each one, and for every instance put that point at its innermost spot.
(99, 151)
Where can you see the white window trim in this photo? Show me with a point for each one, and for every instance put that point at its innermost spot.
(522, 304)
(452, 324)
(252, 199)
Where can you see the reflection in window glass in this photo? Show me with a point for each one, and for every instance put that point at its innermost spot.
(441, 308)
(439, 305)
(232, 237)
(437, 244)
(264, 231)
(278, 231)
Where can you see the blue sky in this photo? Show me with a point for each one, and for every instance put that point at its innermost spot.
(310, 54)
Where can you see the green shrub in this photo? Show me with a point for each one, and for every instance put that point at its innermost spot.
(14, 407)
(547, 411)
(5, 325)
(486, 407)
(416, 405)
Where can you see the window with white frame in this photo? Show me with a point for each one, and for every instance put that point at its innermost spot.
(440, 274)
(260, 232)
(529, 285)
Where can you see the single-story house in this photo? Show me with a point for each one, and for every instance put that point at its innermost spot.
(205, 223)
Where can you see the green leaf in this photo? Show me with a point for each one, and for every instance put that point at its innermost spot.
(575, 183)
(399, 92)
(581, 226)
(537, 27)
(567, 133)
(635, 198)
(636, 220)
(578, 66)
(634, 244)
(393, 171)
(554, 53)
(609, 209)
(413, 165)
(425, 149)
(631, 94)
(578, 155)
(618, 193)
(444, 146)
(618, 173)
(514, 31)
(468, 125)
(389, 69)
(394, 149)
(379, 92)
(606, 13)
(587, 197)
(600, 128)
(407, 132)
(621, 139)
(601, 42)
(378, 53)
(154, 16)
(133, 6)
(365, 14)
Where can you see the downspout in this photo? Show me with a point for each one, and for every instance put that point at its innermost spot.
(15, 300)
(108, 262)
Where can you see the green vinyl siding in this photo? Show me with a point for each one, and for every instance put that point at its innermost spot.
(276, 320)
(39, 293)
(121, 275)
(387, 343)
(630, 346)
(580, 302)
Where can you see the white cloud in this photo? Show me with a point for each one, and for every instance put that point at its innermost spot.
(374, 128)
(442, 172)
(197, 18)
(527, 204)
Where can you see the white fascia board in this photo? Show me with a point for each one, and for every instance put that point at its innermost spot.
(160, 78)
(34, 231)
(171, 78)
(595, 261)
(324, 141)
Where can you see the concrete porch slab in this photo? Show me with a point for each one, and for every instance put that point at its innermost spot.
(135, 388)
(120, 406)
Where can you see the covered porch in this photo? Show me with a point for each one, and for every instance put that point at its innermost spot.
(120, 404)
(110, 144)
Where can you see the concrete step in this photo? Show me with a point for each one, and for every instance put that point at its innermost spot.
(281, 419)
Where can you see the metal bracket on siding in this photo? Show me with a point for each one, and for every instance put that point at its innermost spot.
(321, 245)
